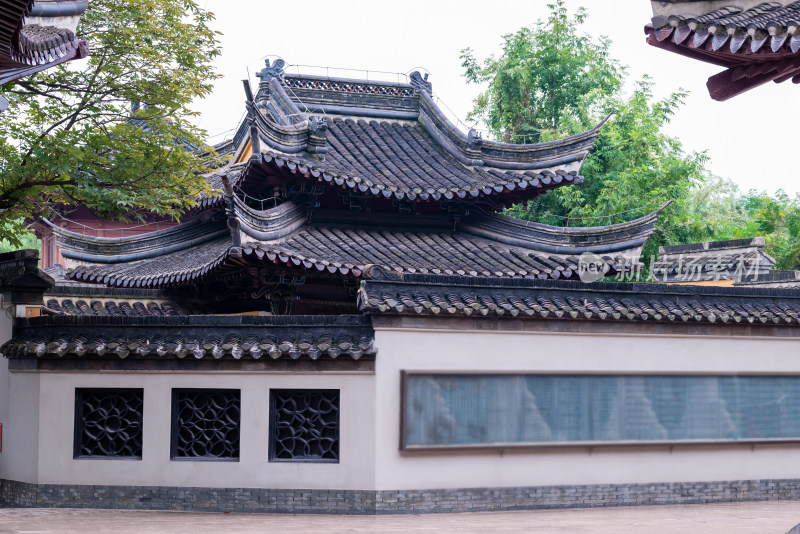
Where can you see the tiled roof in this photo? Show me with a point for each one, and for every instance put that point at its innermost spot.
(392, 140)
(772, 279)
(765, 24)
(544, 299)
(342, 242)
(59, 274)
(113, 308)
(215, 337)
(166, 270)
(713, 260)
(401, 159)
(758, 42)
(348, 250)
(28, 48)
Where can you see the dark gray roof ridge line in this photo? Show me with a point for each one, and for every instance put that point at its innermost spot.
(463, 146)
(379, 275)
(707, 246)
(574, 240)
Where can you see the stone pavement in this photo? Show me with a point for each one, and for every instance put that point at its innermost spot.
(728, 518)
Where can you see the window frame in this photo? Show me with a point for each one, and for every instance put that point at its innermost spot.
(405, 448)
(77, 441)
(273, 422)
(173, 438)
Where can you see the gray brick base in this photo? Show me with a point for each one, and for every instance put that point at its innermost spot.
(20, 494)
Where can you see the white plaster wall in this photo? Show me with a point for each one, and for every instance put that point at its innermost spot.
(18, 460)
(55, 450)
(462, 351)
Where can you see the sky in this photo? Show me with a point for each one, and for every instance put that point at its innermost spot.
(748, 139)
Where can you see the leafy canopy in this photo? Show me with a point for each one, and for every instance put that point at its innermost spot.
(735, 215)
(547, 75)
(551, 81)
(72, 136)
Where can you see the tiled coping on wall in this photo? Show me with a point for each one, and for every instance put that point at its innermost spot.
(20, 494)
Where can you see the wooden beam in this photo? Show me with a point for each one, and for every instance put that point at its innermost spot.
(725, 85)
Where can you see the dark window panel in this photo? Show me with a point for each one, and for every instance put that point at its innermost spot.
(205, 424)
(304, 425)
(108, 423)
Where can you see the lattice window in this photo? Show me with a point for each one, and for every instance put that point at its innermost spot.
(108, 423)
(304, 425)
(205, 424)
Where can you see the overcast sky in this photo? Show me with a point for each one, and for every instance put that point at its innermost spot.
(748, 138)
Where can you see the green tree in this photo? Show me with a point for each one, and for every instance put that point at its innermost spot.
(73, 137)
(777, 218)
(634, 168)
(548, 75)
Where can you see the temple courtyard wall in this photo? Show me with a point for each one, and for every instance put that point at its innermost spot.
(379, 470)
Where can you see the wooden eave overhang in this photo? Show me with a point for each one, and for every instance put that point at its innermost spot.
(756, 44)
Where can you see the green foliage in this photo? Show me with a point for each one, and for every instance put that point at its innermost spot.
(547, 75)
(734, 215)
(552, 81)
(25, 239)
(70, 135)
(634, 169)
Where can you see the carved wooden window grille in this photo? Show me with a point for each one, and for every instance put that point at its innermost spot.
(205, 424)
(108, 423)
(304, 425)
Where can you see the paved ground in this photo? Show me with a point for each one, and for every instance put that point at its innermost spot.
(729, 518)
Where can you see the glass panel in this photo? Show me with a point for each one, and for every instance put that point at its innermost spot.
(495, 409)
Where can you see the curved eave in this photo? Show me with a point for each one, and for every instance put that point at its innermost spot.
(750, 59)
(42, 41)
(493, 154)
(299, 145)
(176, 269)
(84, 248)
(391, 101)
(628, 236)
(528, 184)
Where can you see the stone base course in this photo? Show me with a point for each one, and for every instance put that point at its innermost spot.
(21, 494)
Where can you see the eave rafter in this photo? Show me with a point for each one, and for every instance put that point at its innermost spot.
(757, 45)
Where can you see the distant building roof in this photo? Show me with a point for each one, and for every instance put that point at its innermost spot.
(757, 42)
(735, 259)
(772, 279)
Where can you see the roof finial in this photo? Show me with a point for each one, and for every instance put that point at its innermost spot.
(272, 71)
(421, 83)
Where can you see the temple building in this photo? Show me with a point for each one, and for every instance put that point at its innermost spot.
(348, 324)
(756, 42)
